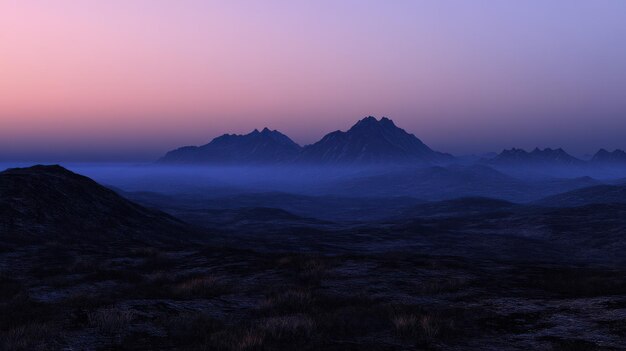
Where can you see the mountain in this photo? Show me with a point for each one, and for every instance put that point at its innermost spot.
(52, 203)
(371, 141)
(264, 147)
(546, 158)
(601, 194)
(606, 158)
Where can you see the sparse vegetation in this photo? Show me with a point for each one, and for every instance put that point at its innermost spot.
(111, 321)
(30, 337)
(251, 301)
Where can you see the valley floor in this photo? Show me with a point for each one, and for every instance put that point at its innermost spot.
(129, 297)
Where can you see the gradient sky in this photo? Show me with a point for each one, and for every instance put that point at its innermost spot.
(135, 78)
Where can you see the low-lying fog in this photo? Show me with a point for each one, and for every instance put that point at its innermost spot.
(425, 183)
(223, 179)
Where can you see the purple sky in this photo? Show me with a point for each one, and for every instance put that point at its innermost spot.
(136, 78)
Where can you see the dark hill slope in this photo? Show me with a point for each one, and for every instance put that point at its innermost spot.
(52, 203)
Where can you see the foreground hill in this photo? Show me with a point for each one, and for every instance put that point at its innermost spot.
(52, 203)
(371, 141)
(264, 147)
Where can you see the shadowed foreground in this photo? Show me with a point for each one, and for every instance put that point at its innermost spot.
(468, 274)
(205, 298)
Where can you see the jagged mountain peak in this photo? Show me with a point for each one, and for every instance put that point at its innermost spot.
(371, 121)
(370, 141)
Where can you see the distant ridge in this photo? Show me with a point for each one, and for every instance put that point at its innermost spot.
(264, 147)
(606, 158)
(369, 141)
(537, 157)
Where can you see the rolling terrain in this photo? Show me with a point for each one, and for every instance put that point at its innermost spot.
(260, 271)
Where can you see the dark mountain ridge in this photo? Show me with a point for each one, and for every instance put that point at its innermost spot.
(607, 158)
(371, 141)
(258, 147)
(547, 157)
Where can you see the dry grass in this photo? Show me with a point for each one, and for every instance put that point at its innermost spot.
(424, 326)
(264, 334)
(289, 301)
(29, 337)
(405, 324)
(308, 269)
(430, 325)
(201, 286)
(250, 340)
(111, 321)
(287, 327)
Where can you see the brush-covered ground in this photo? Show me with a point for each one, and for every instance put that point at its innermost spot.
(129, 297)
(82, 268)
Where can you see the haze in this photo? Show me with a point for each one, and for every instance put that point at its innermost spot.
(124, 80)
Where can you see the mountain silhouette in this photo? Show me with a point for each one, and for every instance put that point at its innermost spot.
(537, 157)
(52, 203)
(371, 141)
(606, 158)
(264, 147)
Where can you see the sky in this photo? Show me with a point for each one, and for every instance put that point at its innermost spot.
(131, 79)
